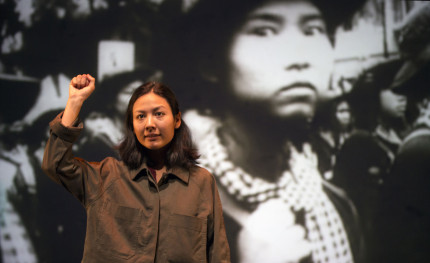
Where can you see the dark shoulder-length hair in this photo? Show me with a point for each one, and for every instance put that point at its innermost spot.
(181, 150)
(364, 97)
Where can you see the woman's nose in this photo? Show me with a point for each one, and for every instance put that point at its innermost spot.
(294, 57)
(149, 123)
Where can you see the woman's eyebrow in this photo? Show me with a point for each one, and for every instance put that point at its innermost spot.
(312, 17)
(265, 17)
(278, 19)
(153, 109)
(158, 108)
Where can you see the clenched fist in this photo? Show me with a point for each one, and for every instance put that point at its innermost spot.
(81, 81)
(80, 89)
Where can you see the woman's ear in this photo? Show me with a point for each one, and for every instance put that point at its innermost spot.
(178, 120)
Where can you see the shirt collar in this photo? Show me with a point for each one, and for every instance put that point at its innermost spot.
(181, 173)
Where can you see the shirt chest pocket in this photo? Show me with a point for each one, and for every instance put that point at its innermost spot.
(187, 239)
(118, 229)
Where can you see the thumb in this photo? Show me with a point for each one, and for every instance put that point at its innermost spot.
(91, 79)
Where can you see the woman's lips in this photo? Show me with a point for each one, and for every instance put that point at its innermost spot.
(152, 136)
(300, 91)
(298, 85)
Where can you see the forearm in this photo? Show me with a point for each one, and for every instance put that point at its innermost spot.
(71, 112)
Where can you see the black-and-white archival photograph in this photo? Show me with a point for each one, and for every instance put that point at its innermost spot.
(312, 118)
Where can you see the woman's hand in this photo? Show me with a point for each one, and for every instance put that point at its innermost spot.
(80, 89)
(270, 234)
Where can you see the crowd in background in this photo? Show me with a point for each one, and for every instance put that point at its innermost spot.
(372, 140)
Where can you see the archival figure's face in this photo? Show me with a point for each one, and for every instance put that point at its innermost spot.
(343, 114)
(392, 104)
(281, 57)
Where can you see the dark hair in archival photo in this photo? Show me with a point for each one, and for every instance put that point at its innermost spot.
(364, 97)
(202, 37)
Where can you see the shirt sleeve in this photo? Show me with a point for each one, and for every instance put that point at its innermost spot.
(218, 248)
(81, 178)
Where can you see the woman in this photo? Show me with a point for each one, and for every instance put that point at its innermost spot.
(263, 66)
(155, 205)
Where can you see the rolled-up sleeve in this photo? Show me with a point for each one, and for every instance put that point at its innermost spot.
(83, 179)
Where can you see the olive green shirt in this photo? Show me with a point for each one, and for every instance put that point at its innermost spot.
(130, 217)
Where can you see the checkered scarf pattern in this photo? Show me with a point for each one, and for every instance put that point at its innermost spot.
(300, 188)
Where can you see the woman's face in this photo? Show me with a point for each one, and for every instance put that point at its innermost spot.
(153, 121)
(281, 57)
(392, 104)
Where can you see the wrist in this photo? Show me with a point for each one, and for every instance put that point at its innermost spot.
(71, 112)
(75, 101)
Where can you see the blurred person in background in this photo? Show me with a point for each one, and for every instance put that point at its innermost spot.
(366, 157)
(405, 207)
(332, 125)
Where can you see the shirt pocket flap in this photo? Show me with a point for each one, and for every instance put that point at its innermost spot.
(188, 222)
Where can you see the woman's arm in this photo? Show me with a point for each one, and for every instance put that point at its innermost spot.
(80, 89)
(83, 179)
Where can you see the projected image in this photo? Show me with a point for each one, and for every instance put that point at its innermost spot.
(313, 117)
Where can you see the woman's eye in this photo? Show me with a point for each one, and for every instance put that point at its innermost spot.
(140, 116)
(159, 114)
(314, 30)
(262, 31)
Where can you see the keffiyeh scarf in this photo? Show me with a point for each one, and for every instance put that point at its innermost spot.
(300, 187)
